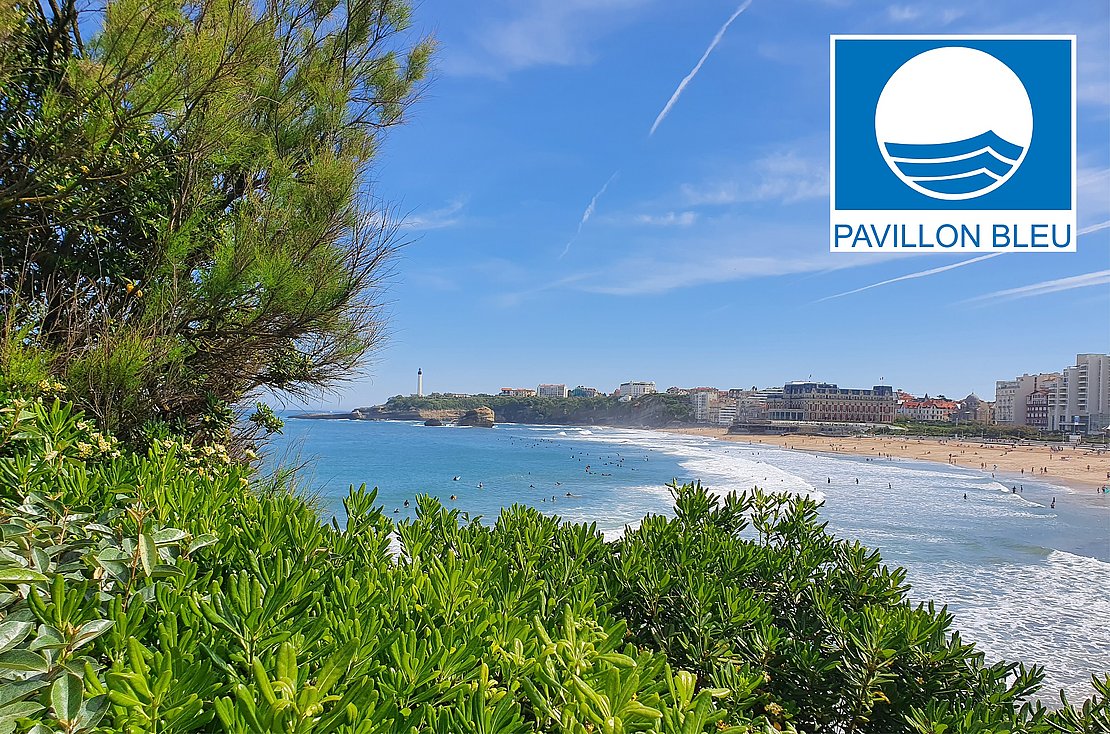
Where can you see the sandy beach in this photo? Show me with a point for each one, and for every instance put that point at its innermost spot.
(1080, 468)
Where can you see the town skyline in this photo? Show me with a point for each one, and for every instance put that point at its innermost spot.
(1074, 400)
(982, 386)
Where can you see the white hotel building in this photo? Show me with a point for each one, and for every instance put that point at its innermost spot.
(1080, 400)
(635, 389)
(1078, 397)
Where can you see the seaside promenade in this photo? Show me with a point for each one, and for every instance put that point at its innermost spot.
(1083, 467)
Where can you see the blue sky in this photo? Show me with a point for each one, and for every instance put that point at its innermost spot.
(705, 260)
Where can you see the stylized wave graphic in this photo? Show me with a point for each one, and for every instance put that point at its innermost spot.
(959, 167)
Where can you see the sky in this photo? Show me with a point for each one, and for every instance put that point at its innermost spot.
(597, 191)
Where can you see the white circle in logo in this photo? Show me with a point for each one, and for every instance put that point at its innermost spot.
(954, 123)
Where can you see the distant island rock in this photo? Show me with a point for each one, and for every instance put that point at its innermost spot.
(433, 422)
(479, 417)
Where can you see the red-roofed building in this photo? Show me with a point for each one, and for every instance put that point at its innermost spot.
(928, 409)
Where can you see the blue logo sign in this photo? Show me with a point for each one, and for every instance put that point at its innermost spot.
(955, 143)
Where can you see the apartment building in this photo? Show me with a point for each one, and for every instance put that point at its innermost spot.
(1080, 399)
(1036, 409)
(704, 401)
(551, 391)
(1010, 396)
(728, 411)
(517, 392)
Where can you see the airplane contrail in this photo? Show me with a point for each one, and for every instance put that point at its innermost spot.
(1086, 280)
(911, 276)
(1094, 228)
(933, 271)
(697, 67)
(589, 212)
(660, 117)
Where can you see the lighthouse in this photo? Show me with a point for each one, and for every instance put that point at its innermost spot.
(419, 382)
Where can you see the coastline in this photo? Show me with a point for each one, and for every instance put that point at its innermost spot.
(1009, 462)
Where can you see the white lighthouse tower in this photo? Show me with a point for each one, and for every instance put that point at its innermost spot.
(419, 382)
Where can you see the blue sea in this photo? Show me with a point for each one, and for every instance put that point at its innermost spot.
(1025, 581)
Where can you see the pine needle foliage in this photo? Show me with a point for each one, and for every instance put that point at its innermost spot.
(184, 211)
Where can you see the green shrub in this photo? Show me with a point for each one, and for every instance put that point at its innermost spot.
(172, 592)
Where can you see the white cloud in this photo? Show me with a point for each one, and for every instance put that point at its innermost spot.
(920, 14)
(538, 33)
(670, 219)
(650, 277)
(446, 216)
(786, 177)
(1093, 184)
(903, 13)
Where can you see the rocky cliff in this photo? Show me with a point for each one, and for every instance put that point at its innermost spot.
(479, 417)
(387, 413)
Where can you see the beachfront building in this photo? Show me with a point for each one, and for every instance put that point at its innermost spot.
(584, 392)
(1036, 409)
(517, 392)
(1004, 391)
(727, 411)
(972, 409)
(1010, 396)
(927, 409)
(753, 405)
(1079, 402)
(551, 391)
(635, 389)
(825, 402)
(677, 391)
(704, 402)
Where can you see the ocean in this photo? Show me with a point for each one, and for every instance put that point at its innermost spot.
(1025, 581)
